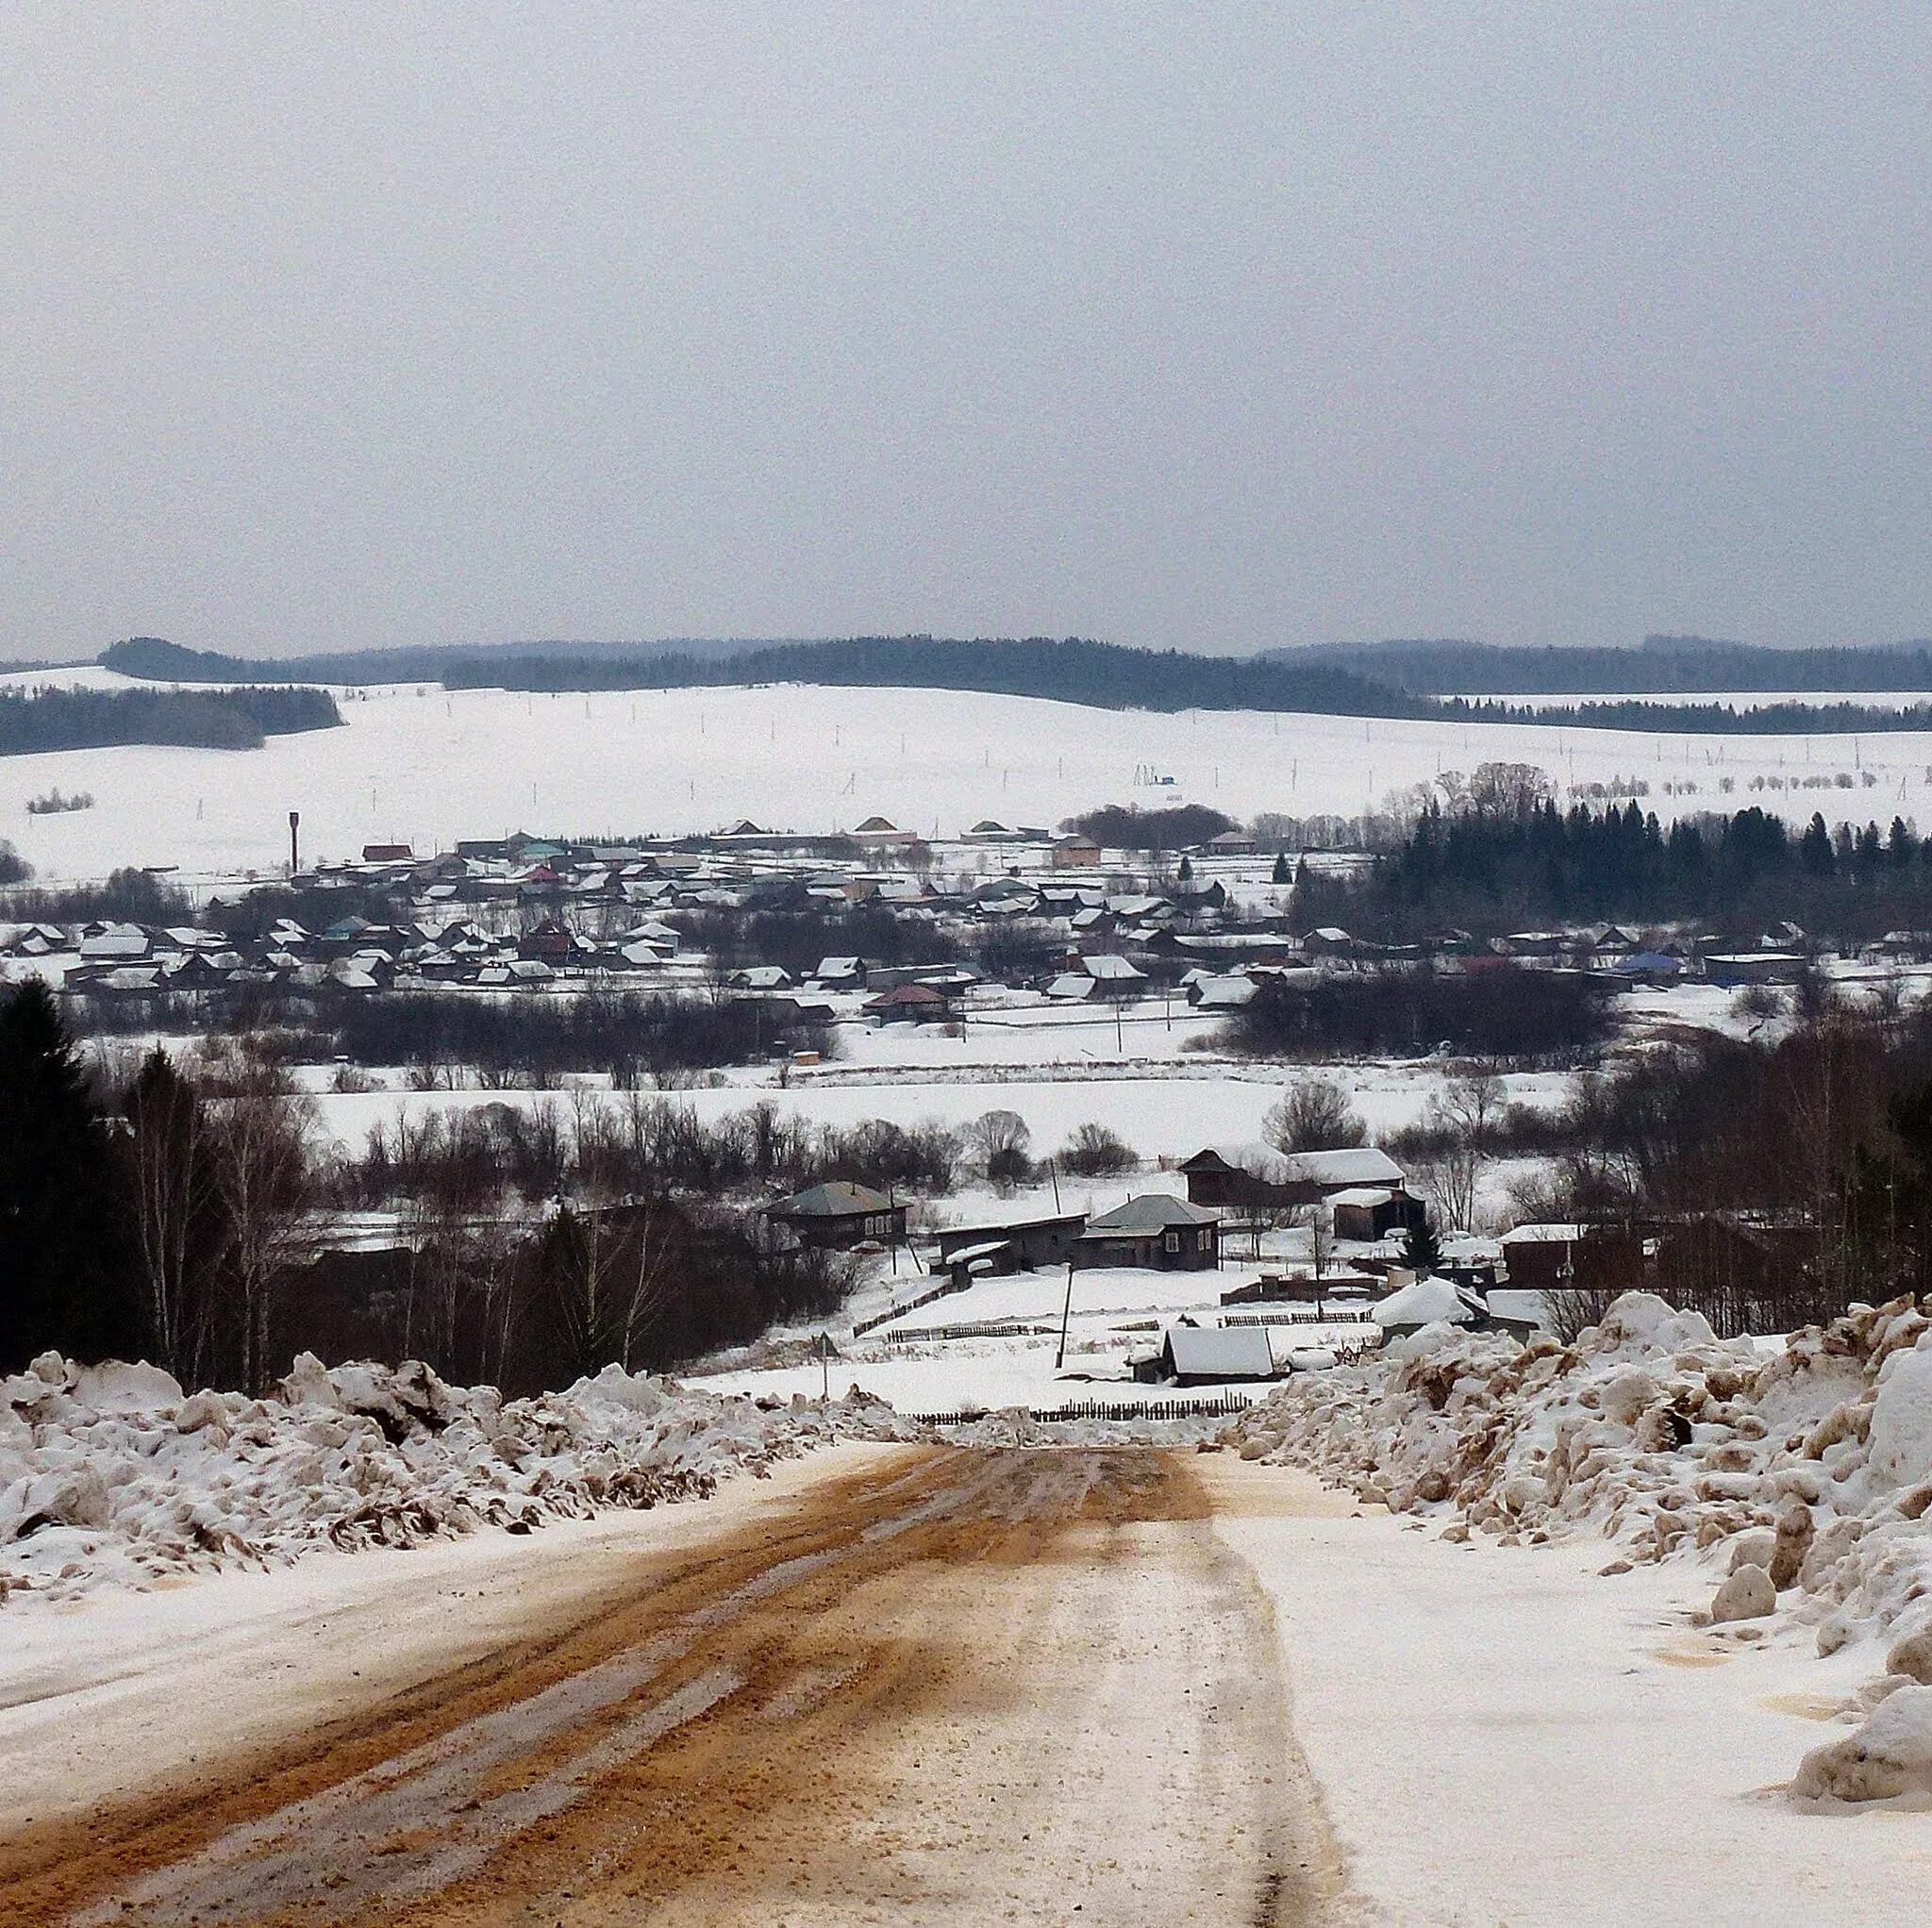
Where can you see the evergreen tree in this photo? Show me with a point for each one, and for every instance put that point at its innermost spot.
(1814, 848)
(61, 1281)
(1281, 873)
(1422, 1250)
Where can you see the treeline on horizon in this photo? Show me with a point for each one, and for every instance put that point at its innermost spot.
(36, 720)
(1662, 665)
(1316, 681)
(1544, 865)
(1072, 670)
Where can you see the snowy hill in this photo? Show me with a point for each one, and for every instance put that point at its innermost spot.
(423, 766)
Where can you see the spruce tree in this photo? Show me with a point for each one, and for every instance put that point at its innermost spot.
(61, 1281)
(1422, 1250)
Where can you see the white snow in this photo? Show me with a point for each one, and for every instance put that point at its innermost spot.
(418, 765)
(1815, 1454)
(1503, 1736)
(110, 1476)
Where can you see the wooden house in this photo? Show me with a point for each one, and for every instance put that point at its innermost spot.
(1155, 1232)
(838, 1215)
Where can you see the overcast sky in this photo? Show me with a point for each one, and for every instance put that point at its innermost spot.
(1220, 327)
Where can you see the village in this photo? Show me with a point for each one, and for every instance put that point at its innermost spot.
(1014, 907)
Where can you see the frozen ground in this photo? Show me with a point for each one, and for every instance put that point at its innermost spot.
(1162, 1112)
(418, 765)
(1797, 1473)
(1503, 1736)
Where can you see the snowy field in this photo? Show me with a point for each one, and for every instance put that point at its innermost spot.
(418, 765)
(1163, 1113)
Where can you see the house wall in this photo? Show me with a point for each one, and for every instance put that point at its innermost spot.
(1198, 1249)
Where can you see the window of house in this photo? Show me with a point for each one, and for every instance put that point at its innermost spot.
(1172, 1242)
(1201, 1243)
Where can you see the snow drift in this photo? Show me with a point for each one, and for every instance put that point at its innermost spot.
(1802, 1469)
(111, 1475)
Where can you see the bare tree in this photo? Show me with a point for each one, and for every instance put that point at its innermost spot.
(606, 1277)
(261, 1160)
(1314, 1114)
(1449, 1177)
(1460, 1130)
(180, 1234)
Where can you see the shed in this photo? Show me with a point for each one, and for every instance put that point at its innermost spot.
(1024, 1245)
(1427, 1302)
(1216, 1355)
(1252, 1174)
(1368, 1212)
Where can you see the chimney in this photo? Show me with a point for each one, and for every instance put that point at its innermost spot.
(294, 842)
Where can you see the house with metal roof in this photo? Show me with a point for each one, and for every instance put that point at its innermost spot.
(837, 1214)
(1155, 1232)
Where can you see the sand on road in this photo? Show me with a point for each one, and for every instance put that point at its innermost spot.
(944, 1687)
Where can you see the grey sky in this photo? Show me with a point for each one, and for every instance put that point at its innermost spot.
(1218, 326)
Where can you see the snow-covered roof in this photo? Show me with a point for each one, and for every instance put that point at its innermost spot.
(1362, 1195)
(1518, 1305)
(970, 1254)
(1108, 967)
(1228, 993)
(1221, 1352)
(1424, 1302)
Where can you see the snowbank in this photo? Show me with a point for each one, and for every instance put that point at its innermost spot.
(1805, 1470)
(111, 1475)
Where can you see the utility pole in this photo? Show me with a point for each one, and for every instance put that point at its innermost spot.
(826, 1367)
(1066, 1314)
(1053, 1173)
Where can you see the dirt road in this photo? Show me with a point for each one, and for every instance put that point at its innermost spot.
(951, 1688)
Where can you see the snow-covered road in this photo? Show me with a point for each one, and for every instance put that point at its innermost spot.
(905, 1684)
(902, 1684)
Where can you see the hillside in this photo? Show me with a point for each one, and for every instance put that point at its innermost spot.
(33, 720)
(154, 659)
(1070, 671)
(426, 766)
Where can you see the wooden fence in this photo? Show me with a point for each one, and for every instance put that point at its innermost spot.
(1222, 1405)
(1308, 1317)
(905, 1306)
(985, 1329)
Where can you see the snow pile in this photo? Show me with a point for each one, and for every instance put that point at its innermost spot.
(111, 1475)
(1805, 1470)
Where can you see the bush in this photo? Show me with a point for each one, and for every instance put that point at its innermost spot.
(1095, 1152)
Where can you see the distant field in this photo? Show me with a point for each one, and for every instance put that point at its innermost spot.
(420, 765)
